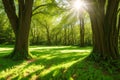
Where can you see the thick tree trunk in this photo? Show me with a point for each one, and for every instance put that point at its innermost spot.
(20, 25)
(105, 33)
(21, 46)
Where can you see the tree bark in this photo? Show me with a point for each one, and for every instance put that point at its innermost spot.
(104, 28)
(20, 25)
(72, 35)
(47, 33)
(65, 36)
(82, 30)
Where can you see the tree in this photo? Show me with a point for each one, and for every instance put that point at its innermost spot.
(103, 15)
(65, 36)
(20, 24)
(46, 26)
(82, 29)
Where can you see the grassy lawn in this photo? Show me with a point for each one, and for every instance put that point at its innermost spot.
(52, 63)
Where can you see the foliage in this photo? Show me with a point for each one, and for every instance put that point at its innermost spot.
(53, 14)
(53, 23)
(6, 33)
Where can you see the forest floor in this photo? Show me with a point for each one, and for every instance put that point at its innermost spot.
(53, 63)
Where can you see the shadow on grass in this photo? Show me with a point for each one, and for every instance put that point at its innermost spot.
(6, 46)
(54, 63)
(5, 50)
(60, 48)
(6, 63)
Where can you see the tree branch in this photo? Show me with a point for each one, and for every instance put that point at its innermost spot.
(40, 6)
(39, 12)
(9, 7)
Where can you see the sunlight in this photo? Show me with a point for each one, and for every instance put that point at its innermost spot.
(4, 49)
(60, 66)
(47, 47)
(68, 51)
(78, 5)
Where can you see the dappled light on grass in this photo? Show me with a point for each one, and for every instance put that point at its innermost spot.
(47, 47)
(55, 63)
(67, 51)
(31, 69)
(5, 49)
(8, 67)
(48, 59)
(18, 70)
(63, 65)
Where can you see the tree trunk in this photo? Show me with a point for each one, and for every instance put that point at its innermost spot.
(21, 47)
(72, 35)
(65, 36)
(47, 32)
(20, 25)
(48, 36)
(82, 30)
(105, 36)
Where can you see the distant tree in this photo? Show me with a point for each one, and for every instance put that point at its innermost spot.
(20, 24)
(35, 33)
(72, 34)
(103, 15)
(65, 36)
(82, 29)
(45, 25)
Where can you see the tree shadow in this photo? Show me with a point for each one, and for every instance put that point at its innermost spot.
(49, 62)
(52, 61)
(55, 69)
(4, 53)
(6, 46)
(6, 63)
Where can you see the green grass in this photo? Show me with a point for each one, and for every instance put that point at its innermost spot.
(52, 63)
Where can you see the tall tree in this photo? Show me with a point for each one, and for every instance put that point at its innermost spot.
(103, 15)
(20, 24)
(82, 29)
(47, 29)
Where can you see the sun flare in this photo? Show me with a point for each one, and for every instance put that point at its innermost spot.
(78, 5)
